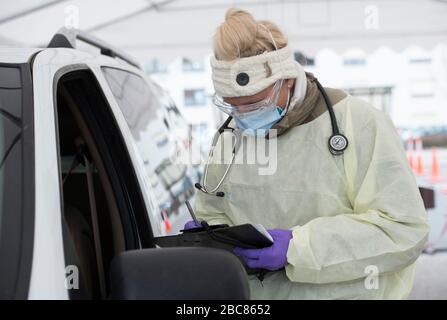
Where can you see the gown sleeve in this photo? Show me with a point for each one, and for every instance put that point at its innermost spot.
(387, 227)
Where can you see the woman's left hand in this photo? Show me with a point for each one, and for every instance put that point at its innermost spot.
(270, 258)
(191, 224)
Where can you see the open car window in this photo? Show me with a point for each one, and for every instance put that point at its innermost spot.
(161, 147)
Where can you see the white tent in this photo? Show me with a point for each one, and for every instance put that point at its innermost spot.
(173, 28)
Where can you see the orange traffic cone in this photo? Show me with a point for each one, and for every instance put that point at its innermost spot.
(435, 174)
(166, 220)
(167, 225)
(419, 165)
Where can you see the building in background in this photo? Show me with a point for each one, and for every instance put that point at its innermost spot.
(410, 86)
(189, 84)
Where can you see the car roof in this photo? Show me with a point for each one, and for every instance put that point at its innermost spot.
(64, 46)
(23, 55)
(17, 55)
(67, 56)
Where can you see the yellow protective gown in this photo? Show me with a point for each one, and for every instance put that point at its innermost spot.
(358, 219)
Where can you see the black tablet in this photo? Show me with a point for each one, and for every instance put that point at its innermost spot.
(224, 237)
(244, 235)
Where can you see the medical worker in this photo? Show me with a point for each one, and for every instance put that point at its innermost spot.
(341, 204)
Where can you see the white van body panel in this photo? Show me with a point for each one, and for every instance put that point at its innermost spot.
(48, 267)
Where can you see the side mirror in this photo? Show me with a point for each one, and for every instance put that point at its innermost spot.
(178, 274)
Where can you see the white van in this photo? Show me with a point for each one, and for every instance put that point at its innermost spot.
(88, 177)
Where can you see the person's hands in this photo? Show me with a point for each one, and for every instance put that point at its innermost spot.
(191, 224)
(270, 258)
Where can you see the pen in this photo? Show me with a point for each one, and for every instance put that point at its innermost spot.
(191, 212)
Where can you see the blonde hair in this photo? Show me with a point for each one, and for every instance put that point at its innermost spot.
(243, 36)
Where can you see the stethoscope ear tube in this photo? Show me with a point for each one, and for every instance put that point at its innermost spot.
(236, 146)
(237, 143)
(224, 126)
(337, 144)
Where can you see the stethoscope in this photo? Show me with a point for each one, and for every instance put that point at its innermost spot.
(337, 144)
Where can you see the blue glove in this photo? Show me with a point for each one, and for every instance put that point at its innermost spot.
(191, 224)
(270, 258)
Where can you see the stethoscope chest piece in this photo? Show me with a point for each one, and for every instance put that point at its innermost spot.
(337, 144)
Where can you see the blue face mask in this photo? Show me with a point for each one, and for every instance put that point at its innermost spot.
(259, 121)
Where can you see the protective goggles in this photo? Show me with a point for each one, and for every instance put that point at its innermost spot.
(233, 110)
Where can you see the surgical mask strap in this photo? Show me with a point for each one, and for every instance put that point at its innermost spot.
(286, 108)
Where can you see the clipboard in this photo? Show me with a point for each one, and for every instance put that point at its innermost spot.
(221, 237)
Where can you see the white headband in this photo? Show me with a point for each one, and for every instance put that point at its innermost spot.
(250, 75)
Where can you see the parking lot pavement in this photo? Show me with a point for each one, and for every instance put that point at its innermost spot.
(431, 277)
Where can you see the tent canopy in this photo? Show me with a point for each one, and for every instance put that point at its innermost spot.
(171, 28)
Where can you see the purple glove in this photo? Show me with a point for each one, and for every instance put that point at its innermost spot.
(270, 258)
(190, 225)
